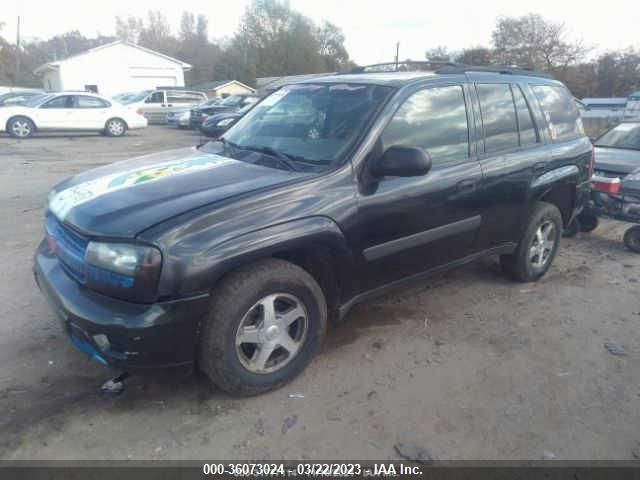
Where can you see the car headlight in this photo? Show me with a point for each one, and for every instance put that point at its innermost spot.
(123, 270)
(185, 115)
(225, 122)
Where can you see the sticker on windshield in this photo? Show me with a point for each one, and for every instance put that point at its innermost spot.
(62, 202)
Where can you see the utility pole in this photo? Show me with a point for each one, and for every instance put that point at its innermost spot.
(397, 54)
(17, 79)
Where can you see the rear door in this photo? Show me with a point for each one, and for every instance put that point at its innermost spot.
(407, 225)
(511, 152)
(91, 112)
(57, 113)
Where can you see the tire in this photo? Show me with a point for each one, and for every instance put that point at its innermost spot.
(588, 222)
(532, 259)
(20, 127)
(238, 305)
(115, 127)
(632, 239)
(572, 229)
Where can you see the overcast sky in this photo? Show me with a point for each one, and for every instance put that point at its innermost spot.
(371, 27)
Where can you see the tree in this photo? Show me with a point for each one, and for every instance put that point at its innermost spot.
(129, 29)
(475, 56)
(331, 47)
(618, 73)
(533, 41)
(439, 54)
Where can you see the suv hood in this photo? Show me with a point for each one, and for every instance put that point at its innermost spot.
(616, 160)
(125, 198)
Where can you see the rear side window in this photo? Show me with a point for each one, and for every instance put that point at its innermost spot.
(91, 102)
(560, 112)
(498, 117)
(184, 97)
(434, 119)
(526, 127)
(64, 101)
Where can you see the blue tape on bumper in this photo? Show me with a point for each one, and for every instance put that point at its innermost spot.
(88, 349)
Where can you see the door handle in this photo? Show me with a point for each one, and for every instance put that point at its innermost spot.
(170, 105)
(466, 185)
(539, 167)
(162, 105)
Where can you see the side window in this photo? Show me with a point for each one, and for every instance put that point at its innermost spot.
(90, 102)
(526, 128)
(183, 97)
(498, 117)
(64, 101)
(560, 111)
(434, 119)
(155, 97)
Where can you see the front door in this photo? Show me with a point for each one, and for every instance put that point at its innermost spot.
(155, 107)
(57, 113)
(407, 225)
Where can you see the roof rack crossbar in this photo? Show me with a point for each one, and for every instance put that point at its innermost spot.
(503, 69)
(445, 67)
(397, 66)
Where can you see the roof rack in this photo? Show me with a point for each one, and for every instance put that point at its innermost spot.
(503, 69)
(404, 66)
(445, 67)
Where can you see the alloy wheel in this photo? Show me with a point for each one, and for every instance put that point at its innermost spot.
(542, 245)
(272, 333)
(21, 128)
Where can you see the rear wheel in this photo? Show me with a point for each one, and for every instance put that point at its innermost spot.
(632, 239)
(115, 127)
(20, 127)
(538, 246)
(266, 323)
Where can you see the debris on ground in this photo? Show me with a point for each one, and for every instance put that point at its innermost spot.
(288, 423)
(616, 349)
(636, 453)
(296, 395)
(260, 427)
(547, 455)
(115, 385)
(415, 453)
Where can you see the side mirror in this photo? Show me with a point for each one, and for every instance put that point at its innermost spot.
(401, 161)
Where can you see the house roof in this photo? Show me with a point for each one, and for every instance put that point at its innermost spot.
(55, 65)
(214, 85)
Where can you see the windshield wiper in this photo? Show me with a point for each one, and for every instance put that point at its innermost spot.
(272, 152)
(230, 145)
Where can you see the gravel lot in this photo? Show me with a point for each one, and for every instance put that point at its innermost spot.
(467, 365)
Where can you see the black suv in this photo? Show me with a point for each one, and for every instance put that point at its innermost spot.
(233, 255)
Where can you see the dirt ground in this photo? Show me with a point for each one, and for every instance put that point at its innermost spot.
(468, 365)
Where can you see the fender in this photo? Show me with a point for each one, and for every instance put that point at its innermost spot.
(555, 175)
(200, 272)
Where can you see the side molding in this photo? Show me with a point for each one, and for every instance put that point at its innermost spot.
(421, 238)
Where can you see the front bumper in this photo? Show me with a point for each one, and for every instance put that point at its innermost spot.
(177, 122)
(140, 336)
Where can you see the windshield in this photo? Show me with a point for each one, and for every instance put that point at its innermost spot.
(37, 100)
(232, 101)
(310, 123)
(625, 135)
(127, 98)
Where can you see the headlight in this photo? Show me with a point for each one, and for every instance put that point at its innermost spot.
(123, 270)
(185, 115)
(225, 122)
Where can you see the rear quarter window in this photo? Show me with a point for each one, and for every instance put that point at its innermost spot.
(560, 112)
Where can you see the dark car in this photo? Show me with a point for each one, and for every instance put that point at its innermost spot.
(617, 151)
(18, 97)
(232, 103)
(235, 255)
(216, 125)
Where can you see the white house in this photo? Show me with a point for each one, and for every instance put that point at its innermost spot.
(223, 88)
(113, 68)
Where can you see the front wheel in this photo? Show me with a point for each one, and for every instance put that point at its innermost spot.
(632, 239)
(20, 127)
(538, 246)
(115, 127)
(266, 322)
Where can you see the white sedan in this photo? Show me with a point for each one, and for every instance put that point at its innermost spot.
(69, 111)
